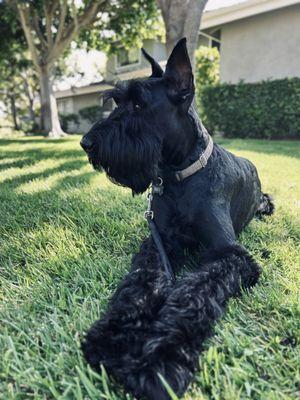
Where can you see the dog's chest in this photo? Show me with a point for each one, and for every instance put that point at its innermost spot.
(174, 214)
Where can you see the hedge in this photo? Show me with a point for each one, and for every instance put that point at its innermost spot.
(91, 114)
(68, 120)
(268, 109)
(71, 122)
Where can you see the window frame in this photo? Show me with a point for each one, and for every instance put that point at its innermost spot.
(119, 67)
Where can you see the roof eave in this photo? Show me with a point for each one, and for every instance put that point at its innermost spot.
(246, 9)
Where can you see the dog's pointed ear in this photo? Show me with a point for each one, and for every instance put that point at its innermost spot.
(179, 74)
(157, 71)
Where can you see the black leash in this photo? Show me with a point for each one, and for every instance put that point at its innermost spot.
(149, 215)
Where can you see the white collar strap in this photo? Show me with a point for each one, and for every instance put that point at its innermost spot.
(197, 165)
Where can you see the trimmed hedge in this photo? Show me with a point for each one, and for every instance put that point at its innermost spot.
(67, 121)
(91, 114)
(268, 109)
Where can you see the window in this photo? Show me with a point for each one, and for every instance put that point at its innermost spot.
(128, 57)
(216, 43)
(65, 106)
(212, 39)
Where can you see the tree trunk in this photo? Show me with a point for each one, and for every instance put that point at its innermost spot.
(192, 26)
(51, 124)
(14, 111)
(182, 19)
(30, 102)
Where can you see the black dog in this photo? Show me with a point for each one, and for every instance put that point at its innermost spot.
(155, 326)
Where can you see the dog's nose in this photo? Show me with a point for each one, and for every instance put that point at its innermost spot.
(86, 144)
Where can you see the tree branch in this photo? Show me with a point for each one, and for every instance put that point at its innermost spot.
(61, 23)
(52, 7)
(48, 19)
(85, 19)
(74, 12)
(38, 30)
(25, 22)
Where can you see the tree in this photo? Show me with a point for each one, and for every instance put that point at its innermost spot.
(14, 65)
(182, 19)
(51, 25)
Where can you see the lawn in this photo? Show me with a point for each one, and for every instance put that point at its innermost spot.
(66, 239)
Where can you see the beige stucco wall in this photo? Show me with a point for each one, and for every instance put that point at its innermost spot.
(86, 100)
(266, 46)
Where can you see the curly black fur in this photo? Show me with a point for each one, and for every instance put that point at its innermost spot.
(266, 206)
(117, 339)
(154, 325)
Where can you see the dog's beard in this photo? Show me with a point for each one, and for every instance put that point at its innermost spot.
(128, 154)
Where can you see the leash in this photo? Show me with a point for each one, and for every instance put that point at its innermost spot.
(158, 189)
(149, 215)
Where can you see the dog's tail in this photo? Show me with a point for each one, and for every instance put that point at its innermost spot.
(266, 207)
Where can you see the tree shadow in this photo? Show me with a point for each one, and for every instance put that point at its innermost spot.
(35, 155)
(68, 166)
(27, 162)
(68, 203)
(37, 139)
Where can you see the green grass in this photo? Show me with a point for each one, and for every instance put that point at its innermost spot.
(66, 239)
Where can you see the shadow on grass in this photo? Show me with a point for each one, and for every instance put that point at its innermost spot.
(27, 162)
(68, 166)
(37, 139)
(35, 155)
(281, 148)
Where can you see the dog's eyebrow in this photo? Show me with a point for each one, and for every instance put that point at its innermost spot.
(117, 93)
(134, 90)
(138, 91)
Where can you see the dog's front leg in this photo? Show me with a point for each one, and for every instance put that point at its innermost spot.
(187, 318)
(116, 340)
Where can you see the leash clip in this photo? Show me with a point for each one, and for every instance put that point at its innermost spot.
(149, 214)
(154, 189)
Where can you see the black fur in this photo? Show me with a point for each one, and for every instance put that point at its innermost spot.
(152, 325)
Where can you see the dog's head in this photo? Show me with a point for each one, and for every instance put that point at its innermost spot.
(128, 145)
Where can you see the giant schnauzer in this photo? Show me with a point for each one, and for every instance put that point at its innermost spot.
(203, 196)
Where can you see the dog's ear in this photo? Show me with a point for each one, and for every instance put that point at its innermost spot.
(157, 71)
(179, 74)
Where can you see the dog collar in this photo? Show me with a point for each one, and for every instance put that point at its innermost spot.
(197, 165)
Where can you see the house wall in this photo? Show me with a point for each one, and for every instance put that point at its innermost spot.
(72, 105)
(85, 100)
(157, 50)
(262, 47)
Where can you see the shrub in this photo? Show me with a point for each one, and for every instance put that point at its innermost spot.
(91, 114)
(68, 122)
(207, 67)
(268, 109)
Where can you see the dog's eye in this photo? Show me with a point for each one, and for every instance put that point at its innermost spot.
(136, 107)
